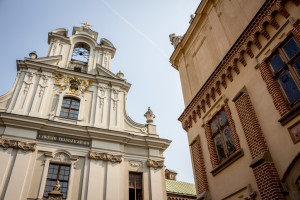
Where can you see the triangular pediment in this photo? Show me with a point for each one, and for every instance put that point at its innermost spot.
(51, 60)
(102, 71)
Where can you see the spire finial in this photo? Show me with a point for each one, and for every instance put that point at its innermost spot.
(149, 116)
(86, 24)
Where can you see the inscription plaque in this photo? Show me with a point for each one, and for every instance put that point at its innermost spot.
(63, 139)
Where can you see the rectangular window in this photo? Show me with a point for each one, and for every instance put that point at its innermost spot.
(222, 135)
(135, 186)
(70, 108)
(285, 65)
(60, 173)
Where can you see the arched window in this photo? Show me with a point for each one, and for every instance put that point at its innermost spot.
(70, 108)
(81, 52)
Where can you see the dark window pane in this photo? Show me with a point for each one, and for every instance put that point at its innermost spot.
(276, 63)
(291, 48)
(214, 126)
(222, 118)
(289, 86)
(228, 140)
(131, 194)
(220, 148)
(139, 181)
(131, 180)
(296, 65)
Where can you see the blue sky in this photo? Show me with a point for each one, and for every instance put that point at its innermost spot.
(139, 29)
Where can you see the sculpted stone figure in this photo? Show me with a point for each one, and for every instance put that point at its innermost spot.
(175, 40)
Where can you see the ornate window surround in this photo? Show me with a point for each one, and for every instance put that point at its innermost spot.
(61, 97)
(59, 157)
(221, 103)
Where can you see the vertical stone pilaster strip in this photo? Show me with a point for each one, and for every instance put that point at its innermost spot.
(265, 172)
(273, 88)
(199, 167)
(234, 134)
(211, 145)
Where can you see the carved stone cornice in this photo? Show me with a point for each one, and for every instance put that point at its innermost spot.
(105, 157)
(157, 163)
(25, 146)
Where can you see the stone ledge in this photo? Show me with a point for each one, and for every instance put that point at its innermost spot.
(294, 112)
(264, 157)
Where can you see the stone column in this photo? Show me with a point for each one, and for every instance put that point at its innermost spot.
(113, 182)
(156, 179)
(97, 175)
(264, 169)
(6, 160)
(21, 172)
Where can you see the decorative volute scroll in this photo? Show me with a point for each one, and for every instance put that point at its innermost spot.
(155, 163)
(105, 157)
(149, 116)
(25, 146)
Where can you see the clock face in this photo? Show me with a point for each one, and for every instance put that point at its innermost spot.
(74, 84)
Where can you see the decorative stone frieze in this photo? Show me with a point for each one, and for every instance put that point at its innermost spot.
(134, 163)
(25, 146)
(236, 54)
(155, 163)
(105, 157)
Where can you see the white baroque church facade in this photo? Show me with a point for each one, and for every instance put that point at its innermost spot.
(65, 121)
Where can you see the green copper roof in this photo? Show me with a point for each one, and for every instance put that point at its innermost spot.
(178, 187)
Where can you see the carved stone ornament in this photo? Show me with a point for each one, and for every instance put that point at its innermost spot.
(55, 194)
(62, 157)
(105, 157)
(73, 84)
(25, 146)
(134, 163)
(155, 163)
(149, 116)
(175, 40)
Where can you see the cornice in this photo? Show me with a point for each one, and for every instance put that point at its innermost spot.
(179, 49)
(61, 37)
(234, 58)
(85, 132)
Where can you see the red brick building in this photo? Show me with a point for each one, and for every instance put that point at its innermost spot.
(239, 65)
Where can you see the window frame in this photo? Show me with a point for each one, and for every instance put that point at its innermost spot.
(288, 66)
(135, 188)
(57, 178)
(221, 133)
(69, 108)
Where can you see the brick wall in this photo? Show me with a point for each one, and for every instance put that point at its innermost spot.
(211, 145)
(273, 88)
(199, 167)
(264, 170)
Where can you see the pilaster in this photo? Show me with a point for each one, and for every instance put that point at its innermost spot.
(264, 169)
